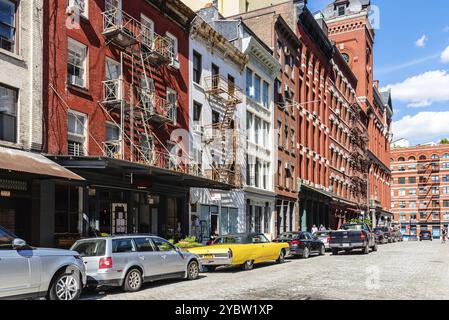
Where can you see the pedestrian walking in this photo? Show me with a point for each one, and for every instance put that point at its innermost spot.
(443, 235)
(314, 229)
(322, 228)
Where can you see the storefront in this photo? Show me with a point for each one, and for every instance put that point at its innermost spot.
(121, 197)
(314, 208)
(260, 211)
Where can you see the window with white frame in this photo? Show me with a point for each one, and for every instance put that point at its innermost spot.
(148, 31)
(173, 50)
(76, 63)
(82, 7)
(112, 140)
(249, 83)
(8, 25)
(265, 94)
(257, 83)
(76, 133)
(172, 100)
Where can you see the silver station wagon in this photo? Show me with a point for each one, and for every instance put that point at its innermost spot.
(28, 272)
(129, 261)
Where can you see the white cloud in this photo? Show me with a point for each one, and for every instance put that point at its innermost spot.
(422, 90)
(421, 42)
(422, 127)
(445, 55)
(446, 29)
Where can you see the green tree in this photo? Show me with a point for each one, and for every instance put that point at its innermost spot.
(444, 141)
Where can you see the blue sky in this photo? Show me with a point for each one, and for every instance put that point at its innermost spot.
(412, 58)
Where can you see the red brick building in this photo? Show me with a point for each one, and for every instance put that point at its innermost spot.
(350, 27)
(420, 188)
(117, 97)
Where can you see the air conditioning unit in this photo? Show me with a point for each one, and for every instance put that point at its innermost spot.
(74, 8)
(175, 63)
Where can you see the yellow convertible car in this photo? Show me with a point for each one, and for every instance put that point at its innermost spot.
(243, 250)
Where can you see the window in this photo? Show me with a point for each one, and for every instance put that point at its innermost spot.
(215, 76)
(435, 178)
(80, 5)
(8, 11)
(402, 205)
(6, 238)
(172, 100)
(446, 190)
(249, 83)
(341, 10)
(148, 31)
(446, 165)
(123, 246)
(413, 216)
(76, 133)
(163, 245)
(197, 107)
(401, 192)
(446, 203)
(8, 114)
(173, 50)
(112, 140)
(279, 134)
(76, 64)
(265, 93)
(257, 82)
(401, 168)
(143, 244)
(401, 180)
(412, 204)
(446, 156)
(197, 67)
(411, 179)
(215, 117)
(435, 156)
(446, 178)
(412, 167)
(266, 134)
(346, 57)
(257, 129)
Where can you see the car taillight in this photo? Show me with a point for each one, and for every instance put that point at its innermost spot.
(230, 254)
(105, 263)
(329, 239)
(295, 242)
(362, 236)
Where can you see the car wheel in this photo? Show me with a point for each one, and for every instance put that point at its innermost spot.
(322, 251)
(366, 250)
(306, 253)
(248, 265)
(133, 281)
(281, 258)
(335, 252)
(66, 286)
(375, 247)
(193, 270)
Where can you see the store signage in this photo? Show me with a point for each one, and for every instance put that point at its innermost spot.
(215, 197)
(5, 194)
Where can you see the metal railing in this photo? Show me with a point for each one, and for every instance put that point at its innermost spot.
(157, 107)
(223, 88)
(111, 149)
(113, 91)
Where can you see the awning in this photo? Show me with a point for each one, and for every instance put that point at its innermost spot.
(115, 167)
(28, 162)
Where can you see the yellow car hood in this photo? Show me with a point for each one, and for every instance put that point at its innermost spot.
(221, 248)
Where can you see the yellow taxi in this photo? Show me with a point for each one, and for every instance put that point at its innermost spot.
(243, 250)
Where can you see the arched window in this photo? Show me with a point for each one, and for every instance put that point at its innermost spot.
(412, 158)
(446, 156)
(401, 159)
(346, 57)
(423, 157)
(435, 156)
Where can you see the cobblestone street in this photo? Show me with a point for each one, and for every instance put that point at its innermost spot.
(407, 270)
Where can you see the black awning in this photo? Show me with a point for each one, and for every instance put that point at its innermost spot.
(138, 171)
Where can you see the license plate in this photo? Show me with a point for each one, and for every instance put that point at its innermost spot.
(345, 244)
(208, 257)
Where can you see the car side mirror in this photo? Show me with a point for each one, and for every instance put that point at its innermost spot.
(18, 243)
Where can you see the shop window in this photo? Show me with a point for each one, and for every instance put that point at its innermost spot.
(8, 113)
(66, 209)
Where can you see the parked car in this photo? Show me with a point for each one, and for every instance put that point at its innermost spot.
(380, 236)
(244, 250)
(128, 261)
(352, 236)
(425, 235)
(324, 237)
(388, 235)
(302, 244)
(397, 235)
(28, 272)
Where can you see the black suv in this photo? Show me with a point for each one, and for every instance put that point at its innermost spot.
(425, 235)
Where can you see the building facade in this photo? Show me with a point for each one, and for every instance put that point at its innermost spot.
(24, 174)
(420, 189)
(117, 113)
(217, 113)
(349, 26)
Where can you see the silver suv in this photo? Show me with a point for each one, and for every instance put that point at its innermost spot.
(129, 261)
(27, 272)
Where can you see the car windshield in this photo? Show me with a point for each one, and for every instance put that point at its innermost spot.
(90, 248)
(288, 236)
(231, 239)
(6, 239)
(356, 227)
